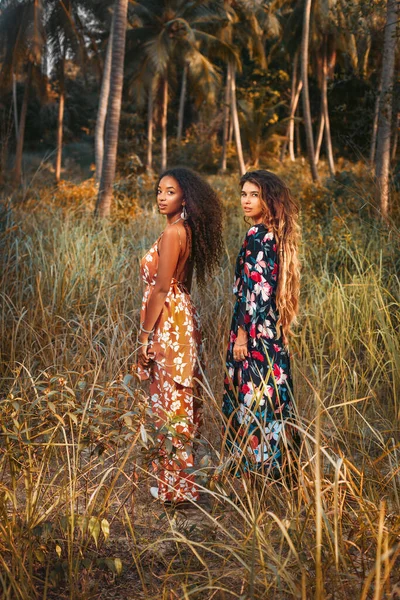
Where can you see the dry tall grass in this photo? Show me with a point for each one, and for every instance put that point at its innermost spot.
(76, 520)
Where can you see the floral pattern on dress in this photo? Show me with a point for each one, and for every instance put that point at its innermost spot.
(177, 347)
(258, 391)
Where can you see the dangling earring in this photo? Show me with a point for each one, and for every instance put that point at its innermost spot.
(184, 214)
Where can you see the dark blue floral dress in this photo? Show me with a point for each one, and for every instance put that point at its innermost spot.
(258, 391)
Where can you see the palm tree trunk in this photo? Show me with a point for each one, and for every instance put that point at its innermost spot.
(372, 151)
(150, 123)
(292, 95)
(325, 108)
(298, 136)
(230, 135)
(292, 121)
(305, 93)
(395, 136)
(295, 94)
(103, 206)
(257, 152)
(350, 39)
(385, 112)
(182, 103)
(60, 121)
(164, 122)
(102, 109)
(21, 131)
(15, 103)
(320, 136)
(285, 144)
(235, 119)
(225, 131)
(365, 56)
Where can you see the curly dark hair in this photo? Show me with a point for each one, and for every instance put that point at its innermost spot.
(204, 211)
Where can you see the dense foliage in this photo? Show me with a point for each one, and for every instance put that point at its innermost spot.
(261, 37)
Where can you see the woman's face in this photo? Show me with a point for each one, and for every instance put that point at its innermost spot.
(169, 196)
(251, 201)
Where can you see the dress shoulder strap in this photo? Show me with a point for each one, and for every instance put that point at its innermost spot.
(180, 239)
(181, 267)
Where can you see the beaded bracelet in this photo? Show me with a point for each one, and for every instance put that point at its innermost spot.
(145, 330)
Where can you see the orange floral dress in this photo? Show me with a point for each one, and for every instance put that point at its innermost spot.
(176, 345)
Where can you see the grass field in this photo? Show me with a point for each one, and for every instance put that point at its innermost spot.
(76, 519)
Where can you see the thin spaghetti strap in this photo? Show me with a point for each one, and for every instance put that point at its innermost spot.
(180, 239)
(180, 268)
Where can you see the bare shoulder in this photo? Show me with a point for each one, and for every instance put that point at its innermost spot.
(172, 236)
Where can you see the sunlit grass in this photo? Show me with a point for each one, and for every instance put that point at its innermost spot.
(76, 519)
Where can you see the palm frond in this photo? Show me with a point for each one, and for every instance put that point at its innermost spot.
(218, 48)
(158, 50)
(204, 76)
(21, 36)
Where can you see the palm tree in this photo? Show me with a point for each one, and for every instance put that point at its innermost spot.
(338, 25)
(326, 66)
(65, 39)
(150, 124)
(305, 92)
(290, 42)
(385, 111)
(330, 32)
(260, 119)
(182, 99)
(164, 121)
(372, 150)
(21, 43)
(102, 109)
(226, 120)
(396, 126)
(235, 119)
(317, 29)
(248, 24)
(100, 13)
(167, 38)
(325, 36)
(103, 205)
(296, 87)
(28, 30)
(15, 104)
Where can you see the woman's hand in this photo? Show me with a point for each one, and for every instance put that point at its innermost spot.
(240, 346)
(145, 356)
(240, 352)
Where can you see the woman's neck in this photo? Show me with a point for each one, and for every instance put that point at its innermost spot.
(175, 218)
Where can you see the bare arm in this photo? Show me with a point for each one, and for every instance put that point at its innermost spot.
(169, 250)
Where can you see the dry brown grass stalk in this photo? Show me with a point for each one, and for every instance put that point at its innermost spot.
(75, 516)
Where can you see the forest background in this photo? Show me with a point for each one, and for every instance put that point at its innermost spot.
(96, 98)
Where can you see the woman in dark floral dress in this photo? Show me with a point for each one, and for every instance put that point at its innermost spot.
(258, 385)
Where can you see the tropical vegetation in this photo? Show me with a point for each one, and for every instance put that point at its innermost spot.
(96, 97)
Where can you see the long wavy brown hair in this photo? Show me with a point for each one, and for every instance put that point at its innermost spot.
(204, 210)
(280, 215)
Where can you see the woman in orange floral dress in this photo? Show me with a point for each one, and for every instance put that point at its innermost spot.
(170, 339)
